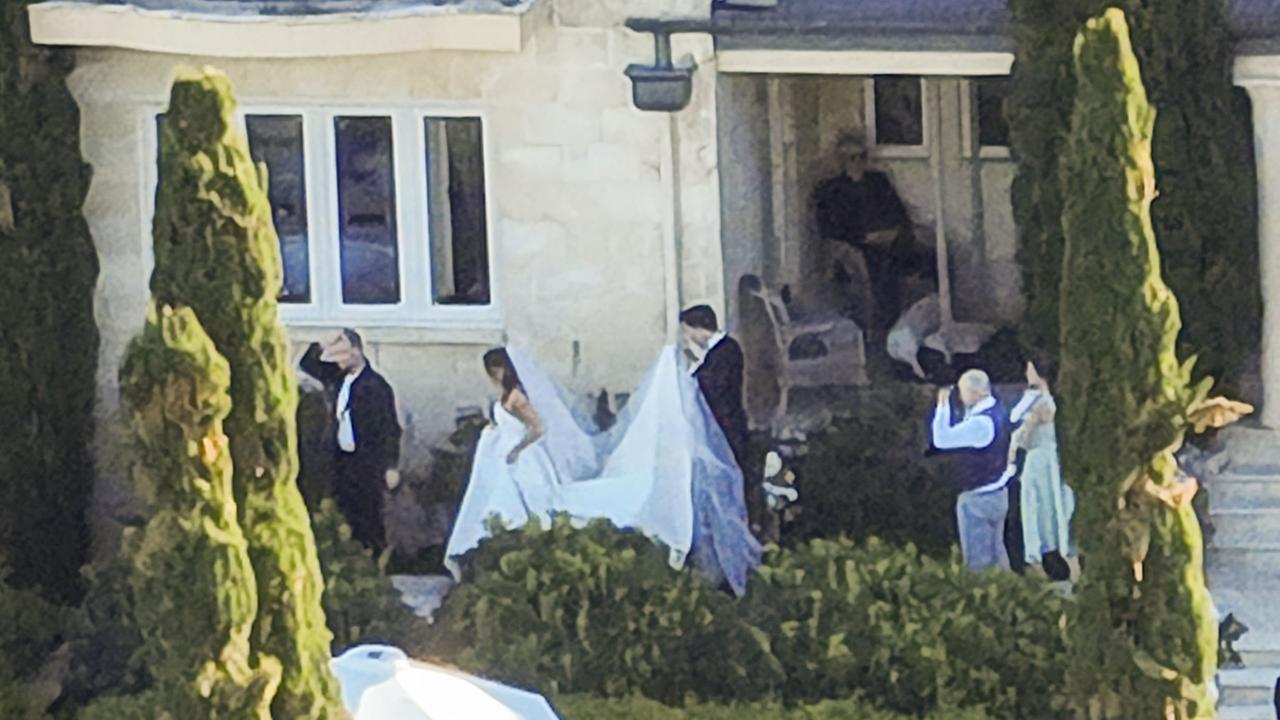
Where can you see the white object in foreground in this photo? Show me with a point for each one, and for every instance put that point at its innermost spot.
(380, 682)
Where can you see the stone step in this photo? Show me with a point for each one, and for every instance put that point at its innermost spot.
(1248, 686)
(1246, 569)
(1247, 712)
(1234, 491)
(1259, 649)
(1245, 528)
(1258, 611)
(1253, 450)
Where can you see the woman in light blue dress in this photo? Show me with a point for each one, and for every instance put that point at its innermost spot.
(1047, 504)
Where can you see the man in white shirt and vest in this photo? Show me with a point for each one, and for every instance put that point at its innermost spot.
(366, 433)
(979, 443)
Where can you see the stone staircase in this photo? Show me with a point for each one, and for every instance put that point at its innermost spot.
(1243, 566)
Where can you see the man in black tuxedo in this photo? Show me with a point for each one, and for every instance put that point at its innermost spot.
(719, 374)
(367, 433)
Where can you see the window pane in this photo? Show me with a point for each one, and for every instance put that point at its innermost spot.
(367, 211)
(456, 211)
(993, 127)
(899, 110)
(276, 140)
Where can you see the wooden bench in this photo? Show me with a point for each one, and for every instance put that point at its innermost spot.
(784, 353)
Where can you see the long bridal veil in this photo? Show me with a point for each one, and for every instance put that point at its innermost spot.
(664, 468)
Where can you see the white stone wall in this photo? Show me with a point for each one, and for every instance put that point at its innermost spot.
(582, 187)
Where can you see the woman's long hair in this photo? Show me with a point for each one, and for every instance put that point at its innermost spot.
(498, 358)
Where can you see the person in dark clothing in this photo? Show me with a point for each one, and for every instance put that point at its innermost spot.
(367, 433)
(719, 374)
(859, 210)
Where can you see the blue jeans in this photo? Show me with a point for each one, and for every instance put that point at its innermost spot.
(980, 516)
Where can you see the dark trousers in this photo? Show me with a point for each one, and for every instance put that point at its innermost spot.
(358, 487)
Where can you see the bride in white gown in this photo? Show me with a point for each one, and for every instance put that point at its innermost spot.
(664, 469)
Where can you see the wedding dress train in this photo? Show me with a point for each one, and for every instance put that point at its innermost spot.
(664, 469)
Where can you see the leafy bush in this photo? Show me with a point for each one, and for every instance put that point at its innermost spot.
(867, 476)
(31, 629)
(360, 604)
(598, 611)
(586, 707)
(912, 632)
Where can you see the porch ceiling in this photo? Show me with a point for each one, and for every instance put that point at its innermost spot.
(283, 28)
(942, 26)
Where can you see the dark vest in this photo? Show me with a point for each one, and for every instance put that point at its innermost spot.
(971, 467)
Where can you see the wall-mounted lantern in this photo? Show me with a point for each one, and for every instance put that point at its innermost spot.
(663, 87)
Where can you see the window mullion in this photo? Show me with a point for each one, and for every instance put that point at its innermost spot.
(323, 177)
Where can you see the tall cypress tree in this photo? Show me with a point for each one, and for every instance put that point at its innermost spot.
(217, 252)
(1144, 642)
(48, 336)
(1206, 215)
(191, 575)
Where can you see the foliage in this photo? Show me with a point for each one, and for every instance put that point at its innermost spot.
(217, 252)
(32, 628)
(193, 589)
(360, 604)
(586, 707)
(1144, 644)
(48, 276)
(867, 476)
(1206, 215)
(597, 611)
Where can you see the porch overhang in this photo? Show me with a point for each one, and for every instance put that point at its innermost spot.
(869, 37)
(283, 28)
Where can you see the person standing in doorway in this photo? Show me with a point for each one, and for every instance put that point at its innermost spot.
(861, 214)
(980, 444)
(367, 433)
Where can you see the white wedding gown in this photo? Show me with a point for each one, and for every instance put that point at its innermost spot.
(664, 469)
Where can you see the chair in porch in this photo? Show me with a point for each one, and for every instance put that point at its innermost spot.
(784, 353)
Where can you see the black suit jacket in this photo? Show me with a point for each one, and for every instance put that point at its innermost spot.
(373, 408)
(720, 377)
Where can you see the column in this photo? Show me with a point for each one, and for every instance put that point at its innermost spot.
(1265, 95)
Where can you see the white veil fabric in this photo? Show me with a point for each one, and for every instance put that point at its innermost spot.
(570, 446)
(664, 468)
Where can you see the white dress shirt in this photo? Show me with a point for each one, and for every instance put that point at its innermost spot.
(346, 431)
(974, 431)
(715, 340)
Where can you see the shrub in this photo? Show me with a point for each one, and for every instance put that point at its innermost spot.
(867, 476)
(585, 707)
(360, 604)
(598, 611)
(216, 252)
(48, 276)
(31, 629)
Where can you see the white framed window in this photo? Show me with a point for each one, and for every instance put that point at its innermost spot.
(383, 213)
(984, 126)
(897, 116)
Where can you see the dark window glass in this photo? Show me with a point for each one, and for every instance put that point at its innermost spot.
(276, 141)
(456, 211)
(993, 127)
(899, 110)
(367, 211)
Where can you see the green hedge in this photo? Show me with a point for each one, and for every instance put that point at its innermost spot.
(597, 611)
(586, 707)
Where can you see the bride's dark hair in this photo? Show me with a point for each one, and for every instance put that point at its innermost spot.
(498, 358)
